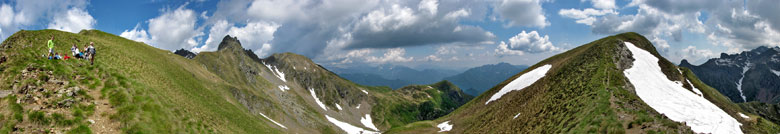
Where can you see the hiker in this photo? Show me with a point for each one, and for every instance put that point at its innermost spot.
(57, 56)
(91, 51)
(66, 57)
(84, 53)
(74, 51)
(50, 44)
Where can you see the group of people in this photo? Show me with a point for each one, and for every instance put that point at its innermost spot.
(87, 53)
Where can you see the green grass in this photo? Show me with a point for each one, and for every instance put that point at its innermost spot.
(81, 129)
(144, 84)
(38, 117)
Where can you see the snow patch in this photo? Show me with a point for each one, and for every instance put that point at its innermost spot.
(366, 121)
(518, 114)
(350, 129)
(284, 88)
(358, 107)
(695, 90)
(744, 116)
(277, 123)
(775, 72)
(316, 99)
(364, 91)
(338, 106)
(275, 71)
(674, 101)
(444, 126)
(521, 82)
(739, 83)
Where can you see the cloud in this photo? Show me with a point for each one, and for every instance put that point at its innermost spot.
(400, 26)
(328, 31)
(254, 35)
(137, 34)
(682, 6)
(391, 55)
(74, 20)
(531, 42)
(586, 16)
(173, 29)
(603, 4)
(766, 9)
(503, 49)
(521, 13)
(741, 30)
(22, 14)
(692, 53)
(431, 58)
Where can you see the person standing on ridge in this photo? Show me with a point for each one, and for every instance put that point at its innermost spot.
(50, 44)
(91, 51)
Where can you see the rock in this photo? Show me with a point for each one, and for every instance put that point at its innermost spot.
(91, 121)
(4, 93)
(66, 103)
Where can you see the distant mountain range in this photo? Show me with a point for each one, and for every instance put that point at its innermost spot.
(747, 76)
(474, 81)
(394, 76)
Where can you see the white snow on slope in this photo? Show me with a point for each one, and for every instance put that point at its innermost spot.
(739, 83)
(358, 107)
(316, 99)
(350, 129)
(521, 82)
(695, 90)
(518, 114)
(284, 88)
(277, 123)
(775, 72)
(275, 71)
(364, 91)
(444, 126)
(744, 116)
(674, 101)
(366, 121)
(338, 106)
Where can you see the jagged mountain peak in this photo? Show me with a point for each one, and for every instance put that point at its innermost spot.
(230, 43)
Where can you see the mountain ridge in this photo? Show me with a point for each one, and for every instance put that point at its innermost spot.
(142, 89)
(585, 90)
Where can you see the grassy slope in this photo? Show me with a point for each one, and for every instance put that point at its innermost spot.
(418, 102)
(584, 92)
(153, 90)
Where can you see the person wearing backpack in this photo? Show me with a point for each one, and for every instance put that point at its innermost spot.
(91, 51)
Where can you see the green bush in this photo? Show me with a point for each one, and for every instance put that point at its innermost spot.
(81, 129)
(38, 117)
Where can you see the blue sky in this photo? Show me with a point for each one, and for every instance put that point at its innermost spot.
(452, 34)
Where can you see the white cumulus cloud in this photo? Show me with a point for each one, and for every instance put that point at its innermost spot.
(174, 29)
(391, 55)
(521, 13)
(74, 20)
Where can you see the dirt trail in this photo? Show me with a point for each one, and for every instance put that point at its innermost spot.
(102, 122)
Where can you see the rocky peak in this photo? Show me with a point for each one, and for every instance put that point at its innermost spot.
(185, 53)
(230, 43)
